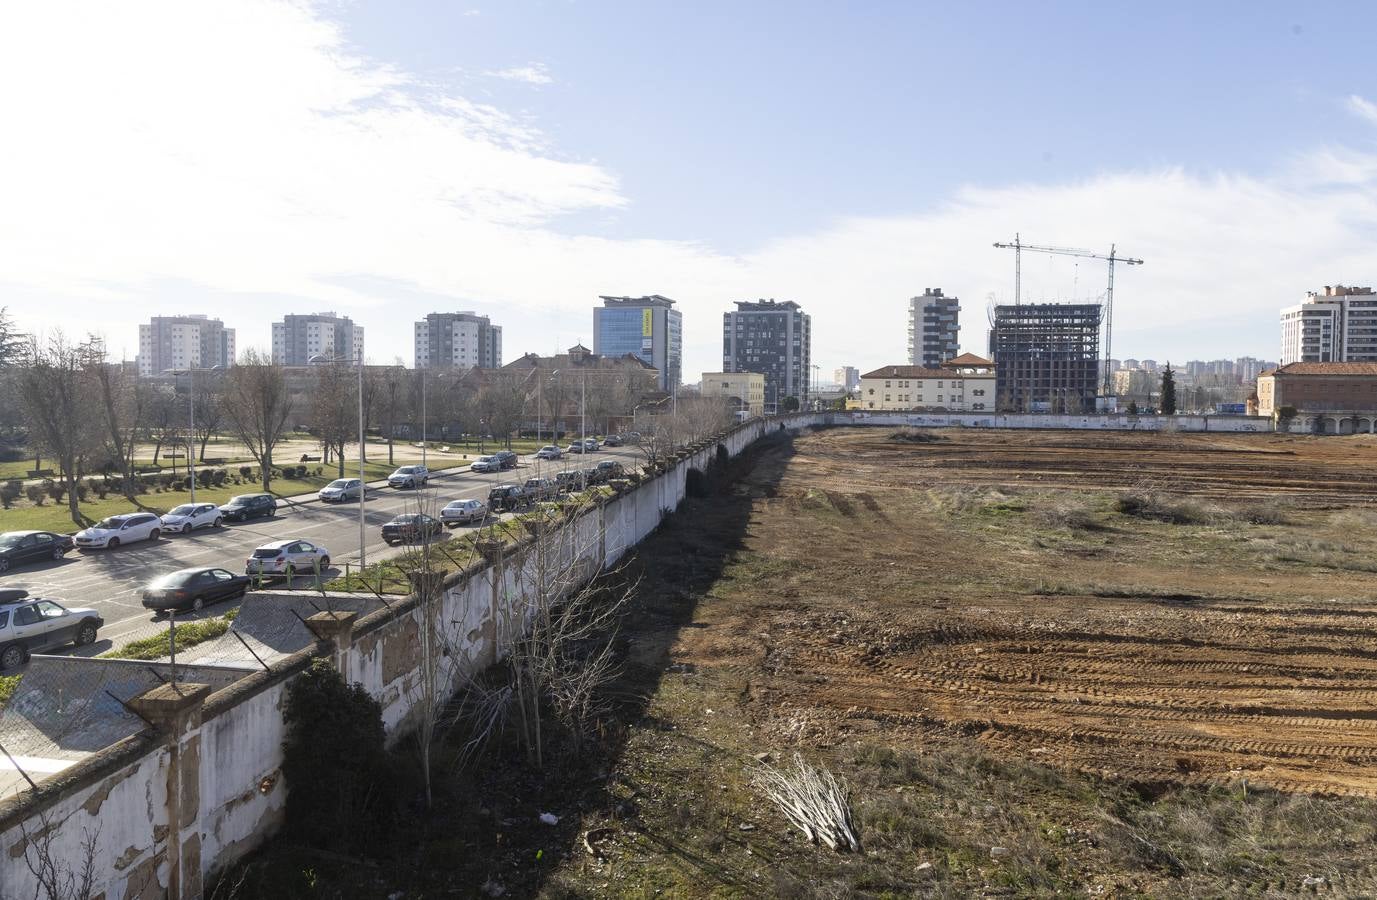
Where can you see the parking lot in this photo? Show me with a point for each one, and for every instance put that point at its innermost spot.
(111, 581)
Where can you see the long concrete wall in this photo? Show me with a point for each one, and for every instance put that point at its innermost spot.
(164, 809)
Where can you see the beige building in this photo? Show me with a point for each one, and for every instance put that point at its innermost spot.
(747, 389)
(1327, 397)
(963, 384)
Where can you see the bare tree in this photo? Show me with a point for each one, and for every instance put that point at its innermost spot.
(258, 406)
(208, 402)
(501, 400)
(333, 410)
(123, 409)
(387, 386)
(56, 394)
(162, 423)
(57, 877)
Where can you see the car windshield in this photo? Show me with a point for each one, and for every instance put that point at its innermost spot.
(406, 470)
(339, 483)
(173, 579)
(457, 504)
(266, 552)
(403, 520)
(185, 509)
(241, 500)
(112, 522)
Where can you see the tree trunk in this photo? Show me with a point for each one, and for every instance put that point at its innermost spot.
(389, 448)
(205, 440)
(267, 472)
(340, 457)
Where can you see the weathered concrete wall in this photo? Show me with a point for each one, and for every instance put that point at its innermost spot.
(1113, 422)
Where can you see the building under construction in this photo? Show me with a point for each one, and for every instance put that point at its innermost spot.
(1046, 356)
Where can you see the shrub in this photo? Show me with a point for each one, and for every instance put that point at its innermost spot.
(320, 470)
(36, 494)
(204, 477)
(82, 490)
(1164, 508)
(300, 471)
(10, 492)
(342, 786)
(218, 476)
(56, 489)
(246, 472)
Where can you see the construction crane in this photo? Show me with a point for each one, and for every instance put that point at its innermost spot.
(1018, 247)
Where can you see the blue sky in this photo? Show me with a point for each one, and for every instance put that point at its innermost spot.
(520, 158)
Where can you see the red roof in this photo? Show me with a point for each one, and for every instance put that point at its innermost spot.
(968, 359)
(1325, 368)
(909, 372)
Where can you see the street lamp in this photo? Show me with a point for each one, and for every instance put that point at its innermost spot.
(363, 481)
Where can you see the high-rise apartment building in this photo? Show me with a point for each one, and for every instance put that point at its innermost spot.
(646, 327)
(933, 328)
(774, 339)
(459, 340)
(298, 338)
(1339, 325)
(180, 342)
(1046, 356)
(848, 378)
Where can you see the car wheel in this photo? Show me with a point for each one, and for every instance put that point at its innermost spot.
(219, 522)
(5, 563)
(154, 534)
(197, 605)
(112, 543)
(12, 656)
(186, 529)
(324, 563)
(57, 554)
(86, 634)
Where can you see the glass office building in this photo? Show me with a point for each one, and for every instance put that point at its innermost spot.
(646, 327)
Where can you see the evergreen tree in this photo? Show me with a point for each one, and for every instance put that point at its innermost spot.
(1168, 391)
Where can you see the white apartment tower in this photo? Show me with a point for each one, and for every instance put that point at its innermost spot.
(181, 342)
(458, 340)
(297, 339)
(933, 328)
(1339, 325)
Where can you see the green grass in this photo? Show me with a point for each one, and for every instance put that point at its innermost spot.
(158, 646)
(8, 685)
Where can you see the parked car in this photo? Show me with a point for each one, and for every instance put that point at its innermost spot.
(194, 588)
(188, 516)
(464, 512)
(340, 490)
(549, 451)
(575, 447)
(19, 547)
(612, 440)
(591, 444)
(249, 506)
(506, 497)
(33, 624)
(486, 464)
(410, 528)
(632, 437)
(538, 489)
(507, 458)
(569, 481)
(610, 469)
(288, 558)
(593, 476)
(409, 477)
(126, 528)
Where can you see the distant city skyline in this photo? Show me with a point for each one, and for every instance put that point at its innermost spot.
(389, 161)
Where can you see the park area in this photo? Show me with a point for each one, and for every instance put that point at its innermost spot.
(1043, 664)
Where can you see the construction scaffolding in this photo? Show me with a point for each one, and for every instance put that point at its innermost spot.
(1046, 356)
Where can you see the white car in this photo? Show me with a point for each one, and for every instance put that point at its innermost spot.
(549, 452)
(341, 489)
(591, 443)
(127, 528)
(291, 557)
(189, 516)
(486, 464)
(409, 477)
(464, 512)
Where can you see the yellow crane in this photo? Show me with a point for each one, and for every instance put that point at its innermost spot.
(1018, 247)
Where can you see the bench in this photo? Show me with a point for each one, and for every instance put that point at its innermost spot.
(214, 460)
(40, 473)
(307, 458)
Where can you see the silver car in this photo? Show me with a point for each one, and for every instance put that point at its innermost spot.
(122, 529)
(291, 557)
(486, 464)
(549, 452)
(32, 624)
(340, 490)
(464, 512)
(189, 516)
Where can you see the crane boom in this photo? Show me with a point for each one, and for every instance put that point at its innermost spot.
(1018, 247)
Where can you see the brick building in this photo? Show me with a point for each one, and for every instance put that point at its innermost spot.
(1328, 397)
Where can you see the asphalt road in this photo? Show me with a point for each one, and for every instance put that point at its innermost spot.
(111, 581)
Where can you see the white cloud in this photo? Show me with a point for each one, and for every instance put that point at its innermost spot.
(1362, 108)
(246, 161)
(534, 73)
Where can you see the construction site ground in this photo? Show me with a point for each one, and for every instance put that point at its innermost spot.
(1128, 664)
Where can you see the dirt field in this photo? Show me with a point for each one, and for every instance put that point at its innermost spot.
(901, 599)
